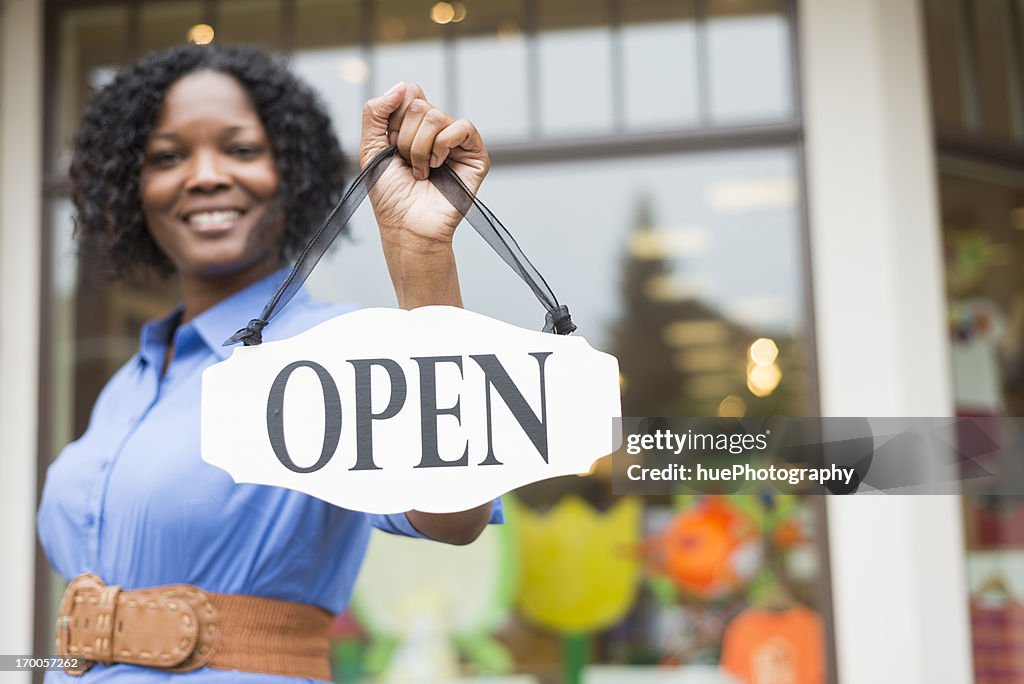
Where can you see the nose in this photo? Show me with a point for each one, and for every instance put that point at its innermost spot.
(207, 173)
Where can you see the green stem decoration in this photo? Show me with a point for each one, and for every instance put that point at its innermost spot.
(347, 661)
(575, 656)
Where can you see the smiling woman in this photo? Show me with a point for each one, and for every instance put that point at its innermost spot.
(209, 187)
(167, 113)
(213, 165)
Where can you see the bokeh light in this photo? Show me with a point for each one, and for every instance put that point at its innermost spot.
(764, 351)
(201, 34)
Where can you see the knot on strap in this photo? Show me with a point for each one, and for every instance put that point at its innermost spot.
(250, 335)
(559, 321)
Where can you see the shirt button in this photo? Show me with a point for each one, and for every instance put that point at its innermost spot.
(90, 520)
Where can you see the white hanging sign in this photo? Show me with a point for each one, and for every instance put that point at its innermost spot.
(438, 409)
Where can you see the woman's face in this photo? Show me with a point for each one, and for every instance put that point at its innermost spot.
(209, 183)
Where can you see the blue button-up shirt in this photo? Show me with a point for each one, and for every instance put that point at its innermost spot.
(133, 502)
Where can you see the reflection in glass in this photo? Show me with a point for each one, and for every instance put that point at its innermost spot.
(575, 66)
(749, 61)
(249, 22)
(659, 53)
(491, 70)
(328, 55)
(684, 263)
(991, 24)
(93, 43)
(163, 24)
(64, 270)
(340, 76)
(944, 62)
(327, 24)
(983, 236)
(409, 48)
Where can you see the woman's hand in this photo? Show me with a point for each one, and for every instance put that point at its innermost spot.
(417, 224)
(410, 211)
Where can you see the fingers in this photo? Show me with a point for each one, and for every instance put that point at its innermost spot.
(432, 123)
(460, 134)
(425, 135)
(376, 114)
(412, 93)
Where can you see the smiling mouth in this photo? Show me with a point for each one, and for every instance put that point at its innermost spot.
(206, 220)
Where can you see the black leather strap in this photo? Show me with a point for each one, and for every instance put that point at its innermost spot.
(483, 220)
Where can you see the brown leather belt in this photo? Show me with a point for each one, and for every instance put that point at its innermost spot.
(180, 628)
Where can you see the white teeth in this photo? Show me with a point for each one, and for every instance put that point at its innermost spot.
(213, 218)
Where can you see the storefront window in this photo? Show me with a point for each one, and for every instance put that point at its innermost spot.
(249, 22)
(93, 43)
(409, 46)
(748, 55)
(682, 258)
(993, 26)
(944, 60)
(659, 55)
(574, 101)
(976, 62)
(983, 235)
(982, 199)
(491, 40)
(163, 24)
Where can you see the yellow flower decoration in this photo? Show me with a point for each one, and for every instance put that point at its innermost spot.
(579, 568)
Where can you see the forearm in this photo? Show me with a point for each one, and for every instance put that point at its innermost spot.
(423, 273)
(452, 528)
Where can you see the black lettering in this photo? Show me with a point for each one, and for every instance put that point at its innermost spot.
(332, 416)
(429, 412)
(535, 428)
(364, 408)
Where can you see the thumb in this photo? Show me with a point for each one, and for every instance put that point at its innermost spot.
(375, 121)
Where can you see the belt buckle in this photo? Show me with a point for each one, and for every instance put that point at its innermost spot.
(65, 621)
(146, 621)
(172, 628)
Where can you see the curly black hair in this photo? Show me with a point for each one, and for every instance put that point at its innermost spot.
(109, 224)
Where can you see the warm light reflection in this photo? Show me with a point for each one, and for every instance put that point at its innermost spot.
(509, 30)
(704, 359)
(670, 287)
(1017, 218)
(732, 407)
(354, 70)
(710, 385)
(762, 380)
(694, 332)
(653, 244)
(764, 351)
(442, 13)
(392, 29)
(460, 12)
(201, 34)
(753, 195)
(623, 383)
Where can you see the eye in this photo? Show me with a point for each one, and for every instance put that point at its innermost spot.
(165, 158)
(246, 151)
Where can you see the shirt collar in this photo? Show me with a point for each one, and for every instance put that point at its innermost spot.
(221, 320)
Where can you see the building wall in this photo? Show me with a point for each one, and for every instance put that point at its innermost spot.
(897, 561)
(20, 258)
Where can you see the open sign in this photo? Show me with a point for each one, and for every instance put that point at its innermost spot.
(383, 410)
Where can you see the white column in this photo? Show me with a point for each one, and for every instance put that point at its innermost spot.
(898, 582)
(21, 53)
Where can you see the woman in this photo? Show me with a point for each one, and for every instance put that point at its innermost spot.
(214, 164)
